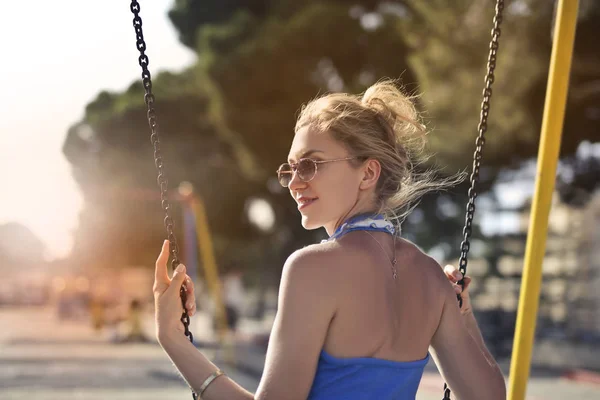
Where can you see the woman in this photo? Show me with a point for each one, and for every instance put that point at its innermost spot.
(359, 313)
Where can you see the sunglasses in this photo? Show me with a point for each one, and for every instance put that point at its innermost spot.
(306, 169)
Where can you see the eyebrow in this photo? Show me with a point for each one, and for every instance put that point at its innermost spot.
(308, 153)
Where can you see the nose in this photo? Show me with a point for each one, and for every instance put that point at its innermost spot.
(296, 183)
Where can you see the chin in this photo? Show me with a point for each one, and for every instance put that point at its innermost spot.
(309, 223)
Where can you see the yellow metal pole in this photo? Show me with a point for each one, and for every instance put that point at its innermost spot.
(554, 111)
(211, 272)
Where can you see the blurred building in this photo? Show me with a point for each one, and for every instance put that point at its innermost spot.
(568, 322)
(570, 299)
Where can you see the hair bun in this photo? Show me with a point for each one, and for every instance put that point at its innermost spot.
(399, 112)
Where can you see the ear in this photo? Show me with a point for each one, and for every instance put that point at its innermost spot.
(371, 172)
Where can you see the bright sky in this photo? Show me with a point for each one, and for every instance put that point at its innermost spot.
(56, 56)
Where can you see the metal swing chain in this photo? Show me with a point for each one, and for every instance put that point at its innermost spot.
(477, 156)
(158, 161)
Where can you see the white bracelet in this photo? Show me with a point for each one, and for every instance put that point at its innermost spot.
(209, 380)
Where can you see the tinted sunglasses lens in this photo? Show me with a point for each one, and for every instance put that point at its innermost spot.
(306, 169)
(284, 174)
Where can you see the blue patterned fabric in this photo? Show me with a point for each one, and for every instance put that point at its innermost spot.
(363, 222)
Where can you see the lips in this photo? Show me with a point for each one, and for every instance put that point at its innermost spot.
(304, 202)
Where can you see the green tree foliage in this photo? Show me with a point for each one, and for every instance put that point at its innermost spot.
(112, 158)
(188, 15)
(283, 63)
(583, 112)
(441, 47)
(228, 121)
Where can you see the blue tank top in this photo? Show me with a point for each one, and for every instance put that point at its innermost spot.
(365, 378)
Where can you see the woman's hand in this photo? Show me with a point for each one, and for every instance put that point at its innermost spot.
(454, 275)
(167, 300)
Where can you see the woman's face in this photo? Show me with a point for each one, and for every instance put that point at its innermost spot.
(334, 192)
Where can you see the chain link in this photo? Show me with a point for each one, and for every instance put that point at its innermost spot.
(158, 161)
(478, 155)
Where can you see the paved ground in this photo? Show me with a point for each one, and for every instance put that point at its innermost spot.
(44, 359)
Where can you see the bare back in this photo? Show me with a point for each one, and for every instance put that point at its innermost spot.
(341, 297)
(378, 316)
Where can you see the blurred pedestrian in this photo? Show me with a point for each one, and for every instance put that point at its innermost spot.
(97, 313)
(135, 328)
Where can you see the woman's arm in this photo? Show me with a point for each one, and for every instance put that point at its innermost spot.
(193, 365)
(475, 332)
(461, 355)
(307, 303)
(195, 368)
(454, 276)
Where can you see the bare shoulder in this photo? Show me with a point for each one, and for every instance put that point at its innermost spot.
(313, 264)
(315, 253)
(424, 263)
(307, 303)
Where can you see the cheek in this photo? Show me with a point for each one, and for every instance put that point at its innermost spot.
(340, 191)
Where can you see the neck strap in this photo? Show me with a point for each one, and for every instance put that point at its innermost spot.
(363, 222)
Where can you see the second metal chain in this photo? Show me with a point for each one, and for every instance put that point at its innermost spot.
(477, 156)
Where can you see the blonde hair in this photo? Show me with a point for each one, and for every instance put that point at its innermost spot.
(382, 124)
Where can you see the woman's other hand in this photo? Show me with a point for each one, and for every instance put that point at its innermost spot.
(167, 299)
(454, 275)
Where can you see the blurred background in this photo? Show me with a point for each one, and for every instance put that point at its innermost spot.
(80, 215)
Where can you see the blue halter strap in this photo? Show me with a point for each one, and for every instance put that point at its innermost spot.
(363, 222)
